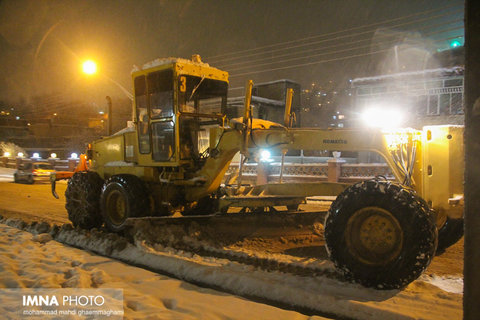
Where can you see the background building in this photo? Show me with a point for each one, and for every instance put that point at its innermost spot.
(430, 96)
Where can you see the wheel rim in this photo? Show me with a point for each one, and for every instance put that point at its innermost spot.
(374, 236)
(116, 207)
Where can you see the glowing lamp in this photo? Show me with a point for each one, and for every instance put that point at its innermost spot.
(89, 67)
(265, 155)
(382, 118)
(455, 43)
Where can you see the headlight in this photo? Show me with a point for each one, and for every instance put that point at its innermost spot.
(265, 156)
(382, 118)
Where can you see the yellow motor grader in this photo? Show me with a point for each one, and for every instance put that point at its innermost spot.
(179, 145)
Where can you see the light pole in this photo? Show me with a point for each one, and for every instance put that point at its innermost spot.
(110, 119)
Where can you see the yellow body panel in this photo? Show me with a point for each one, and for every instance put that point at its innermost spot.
(108, 150)
(443, 165)
(110, 157)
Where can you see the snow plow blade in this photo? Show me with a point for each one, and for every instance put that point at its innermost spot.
(228, 228)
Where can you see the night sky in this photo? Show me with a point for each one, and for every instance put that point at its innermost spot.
(43, 42)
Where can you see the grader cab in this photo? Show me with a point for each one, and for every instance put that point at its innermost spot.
(174, 156)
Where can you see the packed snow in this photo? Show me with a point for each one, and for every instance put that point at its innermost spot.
(35, 261)
(45, 262)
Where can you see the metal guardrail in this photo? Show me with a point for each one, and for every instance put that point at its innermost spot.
(334, 171)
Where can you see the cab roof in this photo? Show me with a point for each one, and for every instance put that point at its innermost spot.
(194, 66)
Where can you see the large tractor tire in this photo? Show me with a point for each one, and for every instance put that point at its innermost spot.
(83, 200)
(123, 196)
(380, 234)
(449, 233)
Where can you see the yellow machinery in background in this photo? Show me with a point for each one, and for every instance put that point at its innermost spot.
(380, 233)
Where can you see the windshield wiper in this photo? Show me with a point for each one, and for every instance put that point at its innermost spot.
(196, 87)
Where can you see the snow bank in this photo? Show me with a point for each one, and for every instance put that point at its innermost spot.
(26, 262)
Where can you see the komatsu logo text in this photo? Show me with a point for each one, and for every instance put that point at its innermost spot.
(335, 141)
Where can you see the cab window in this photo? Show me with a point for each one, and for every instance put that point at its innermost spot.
(142, 114)
(160, 93)
(201, 95)
(163, 140)
(202, 103)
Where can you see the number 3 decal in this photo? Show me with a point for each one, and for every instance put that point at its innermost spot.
(183, 84)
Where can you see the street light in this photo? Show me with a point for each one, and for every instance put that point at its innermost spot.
(90, 67)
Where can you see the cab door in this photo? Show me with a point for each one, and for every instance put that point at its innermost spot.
(154, 99)
(162, 114)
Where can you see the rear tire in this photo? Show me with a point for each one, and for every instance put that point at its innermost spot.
(15, 178)
(30, 180)
(449, 234)
(83, 200)
(123, 196)
(380, 234)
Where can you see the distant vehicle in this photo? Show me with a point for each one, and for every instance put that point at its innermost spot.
(31, 172)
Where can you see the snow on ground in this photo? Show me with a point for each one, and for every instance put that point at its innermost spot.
(34, 261)
(427, 298)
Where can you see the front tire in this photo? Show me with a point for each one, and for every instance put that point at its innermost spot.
(123, 196)
(83, 200)
(380, 234)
